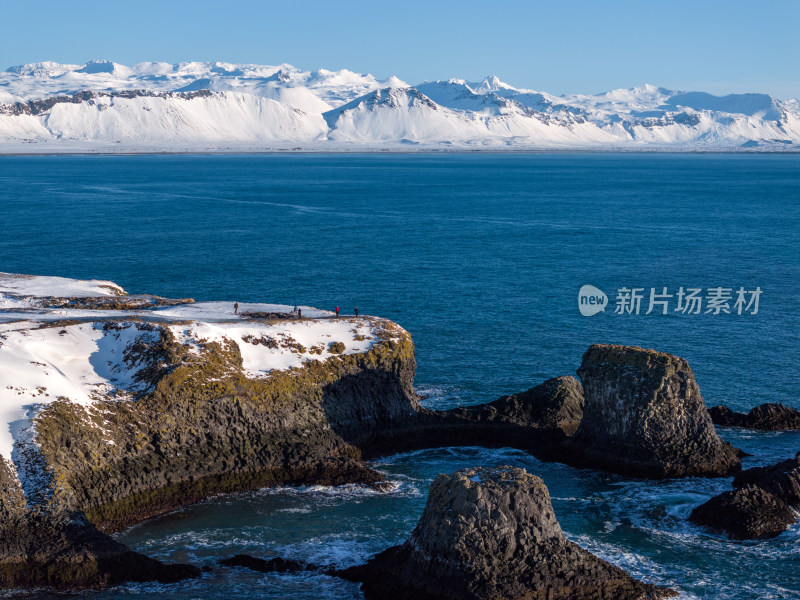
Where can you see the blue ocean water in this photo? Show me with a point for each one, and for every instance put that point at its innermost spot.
(480, 257)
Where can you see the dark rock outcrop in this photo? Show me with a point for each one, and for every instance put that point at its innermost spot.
(556, 404)
(66, 552)
(273, 565)
(781, 479)
(760, 507)
(644, 416)
(764, 417)
(38, 107)
(492, 533)
(537, 421)
(745, 513)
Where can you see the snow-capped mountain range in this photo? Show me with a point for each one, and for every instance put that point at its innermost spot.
(198, 106)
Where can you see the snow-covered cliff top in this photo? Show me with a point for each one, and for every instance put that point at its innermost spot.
(61, 339)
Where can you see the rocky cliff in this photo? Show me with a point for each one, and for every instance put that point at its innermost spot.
(120, 410)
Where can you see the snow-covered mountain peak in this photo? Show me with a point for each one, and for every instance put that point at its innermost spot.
(754, 105)
(389, 98)
(46, 68)
(48, 105)
(99, 66)
(490, 84)
(456, 94)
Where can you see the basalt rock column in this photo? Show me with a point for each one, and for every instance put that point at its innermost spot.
(644, 416)
(492, 533)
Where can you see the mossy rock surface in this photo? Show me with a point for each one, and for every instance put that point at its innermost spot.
(206, 427)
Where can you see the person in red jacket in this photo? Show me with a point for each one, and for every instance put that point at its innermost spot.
(337, 311)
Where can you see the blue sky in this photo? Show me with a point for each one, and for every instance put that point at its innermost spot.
(577, 46)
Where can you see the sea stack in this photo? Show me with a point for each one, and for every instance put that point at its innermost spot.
(492, 533)
(644, 416)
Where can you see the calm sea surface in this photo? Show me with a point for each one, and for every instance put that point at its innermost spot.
(480, 257)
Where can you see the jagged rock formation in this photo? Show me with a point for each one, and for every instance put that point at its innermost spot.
(765, 417)
(644, 416)
(760, 506)
(492, 533)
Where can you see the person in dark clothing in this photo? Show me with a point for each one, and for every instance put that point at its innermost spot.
(356, 311)
(236, 308)
(299, 314)
(337, 311)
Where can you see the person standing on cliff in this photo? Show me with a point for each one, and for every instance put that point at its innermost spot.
(356, 311)
(299, 314)
(236, 308)
(337, 312)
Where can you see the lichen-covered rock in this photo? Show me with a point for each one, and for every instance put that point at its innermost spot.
(762, 505)
(644, 416)
(208, 428)
(764, 417)
(492, 533)
(556, 404)
(745, 513)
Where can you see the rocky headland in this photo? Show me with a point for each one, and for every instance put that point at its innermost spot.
(117, 410)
